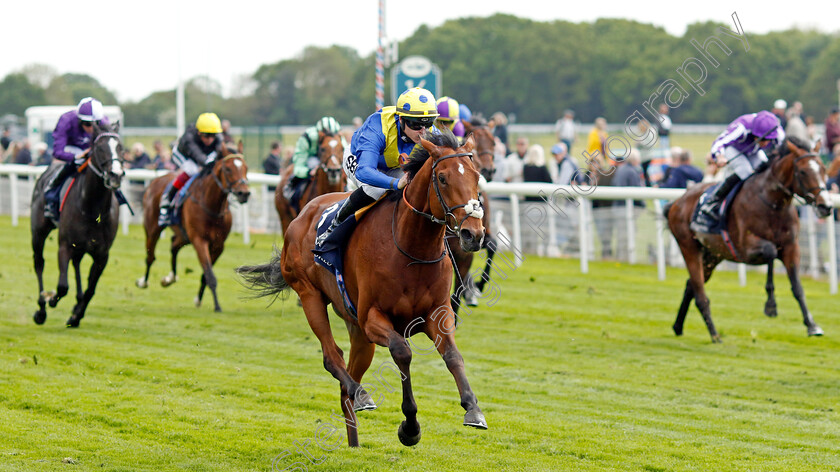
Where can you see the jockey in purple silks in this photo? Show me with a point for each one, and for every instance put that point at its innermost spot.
(71, 143)
(742, 146)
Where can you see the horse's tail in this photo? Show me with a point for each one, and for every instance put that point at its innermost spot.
(264, 279)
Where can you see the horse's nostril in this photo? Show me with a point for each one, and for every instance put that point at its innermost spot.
(466, 235)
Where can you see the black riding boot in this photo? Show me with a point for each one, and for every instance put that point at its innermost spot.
(712, 202)
(51, 196)
(166, 206)
(357, 200)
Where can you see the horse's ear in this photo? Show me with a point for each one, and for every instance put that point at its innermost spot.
(468, 127)
(116, 127)
(469, 144)
(427, 145)
(791, 147)
(240, 147)
(818, 146)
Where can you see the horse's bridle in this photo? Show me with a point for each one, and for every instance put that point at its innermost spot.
(472, 208)
(809, 197)
(229, 188)
(92, 163)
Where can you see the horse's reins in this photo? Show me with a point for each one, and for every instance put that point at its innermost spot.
(225, 190)
(89, 162)
(472, 209)
(809, 198)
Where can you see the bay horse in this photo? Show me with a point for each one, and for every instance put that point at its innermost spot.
(205, 216)
(763, 226)
(329, 177)
(485, 143)
(396, 274)
(87, 223)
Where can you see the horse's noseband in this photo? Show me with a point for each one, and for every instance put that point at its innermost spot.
(229, 188)
(472, 208)
(92, 162)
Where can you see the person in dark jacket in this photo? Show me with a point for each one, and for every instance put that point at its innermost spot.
(197, 148)
(683, 173)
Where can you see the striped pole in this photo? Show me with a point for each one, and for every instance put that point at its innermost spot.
(380, 60)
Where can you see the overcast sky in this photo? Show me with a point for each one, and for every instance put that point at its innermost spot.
(137, 47)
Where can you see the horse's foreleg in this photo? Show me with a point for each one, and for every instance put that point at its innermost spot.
(441, 332)
(96, 270)
(791, 260)
(490, 245)
(172, 277)
(77, 271)
(688, 295)
(361, 355)
(206, 259)
(770, 305)
(40, 315)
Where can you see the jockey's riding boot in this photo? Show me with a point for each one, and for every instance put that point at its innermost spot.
(712, 202)
(166, 206)
(289, 188)
(358, 199)
(52, 189)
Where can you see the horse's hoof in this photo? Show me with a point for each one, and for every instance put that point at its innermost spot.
(815, 331)
(405, 438)
(73, 322)
(197, 301)
(475, 418)
(40, 317)
(716, 339)
(363, 402)
(52, 302)
(218, 309)
(168, 280)
(677, 330)
(470, 298)
(142, 283)
(770, 312)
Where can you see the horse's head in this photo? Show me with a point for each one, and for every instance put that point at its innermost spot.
(330, 155)
(485, 143)
(231, 172)
(106, 155)
(808, 175)
(454, 179)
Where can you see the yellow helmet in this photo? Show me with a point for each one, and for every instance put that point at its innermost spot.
(208, 123)
(417, 103)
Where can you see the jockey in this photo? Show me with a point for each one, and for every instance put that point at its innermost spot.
(380, 146)
(742, 146)
(305, 158)
(72, 142)
(197, 148)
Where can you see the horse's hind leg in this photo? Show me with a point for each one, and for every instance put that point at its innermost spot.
(38, 239)
(63, 285)
(96, 270)
(790, 258)
(77, 271)
(490, 245)
(688, 295)
(208, 277)
(172, 277)
(152, 238)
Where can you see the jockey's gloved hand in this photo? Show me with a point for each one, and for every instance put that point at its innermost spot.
(403, 182)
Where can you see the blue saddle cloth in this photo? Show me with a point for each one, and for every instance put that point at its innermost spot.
(330, 252)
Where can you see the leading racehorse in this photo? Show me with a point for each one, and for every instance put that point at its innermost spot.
(397, 276)
(329, 177)
(762, 225)
(205, 216)
(87, 222)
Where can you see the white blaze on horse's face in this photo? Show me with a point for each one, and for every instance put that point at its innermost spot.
(333, 143)
(116, 165)
(237, 163)
(461, 168)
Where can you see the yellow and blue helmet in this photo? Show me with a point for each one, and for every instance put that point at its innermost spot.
(417, 104)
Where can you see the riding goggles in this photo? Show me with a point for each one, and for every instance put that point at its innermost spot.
(418, 124)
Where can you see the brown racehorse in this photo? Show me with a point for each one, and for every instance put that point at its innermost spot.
(205, 217)
(87, 224)
(485, 143)
(329, 177)
(397, 276)
(763, 226)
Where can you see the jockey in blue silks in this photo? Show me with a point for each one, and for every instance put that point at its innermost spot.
(380, 146)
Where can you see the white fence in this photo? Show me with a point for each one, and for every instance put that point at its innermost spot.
(531, 226)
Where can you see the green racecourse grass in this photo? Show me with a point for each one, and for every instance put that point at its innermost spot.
(573, 372)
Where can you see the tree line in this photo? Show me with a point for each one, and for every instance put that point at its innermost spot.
(530, 69)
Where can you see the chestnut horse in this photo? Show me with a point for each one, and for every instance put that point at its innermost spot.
(465, 286)
(87, 224)
(397, 276)
(329, 177)
(205, 217)
(763, 226)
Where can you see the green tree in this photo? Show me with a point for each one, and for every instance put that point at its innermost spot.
(17, 94)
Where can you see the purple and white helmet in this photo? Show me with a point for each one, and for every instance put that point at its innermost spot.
(765, 125)
(90, 109)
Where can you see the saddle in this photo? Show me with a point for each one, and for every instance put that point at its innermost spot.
(330, 253)
(178, 200)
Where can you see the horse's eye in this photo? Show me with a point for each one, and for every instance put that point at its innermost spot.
(441, 179)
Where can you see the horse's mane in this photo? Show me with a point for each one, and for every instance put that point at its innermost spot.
(478, 120)
(799, 142)
(420, 155)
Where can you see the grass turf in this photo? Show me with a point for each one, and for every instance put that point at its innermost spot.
(573, 372)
